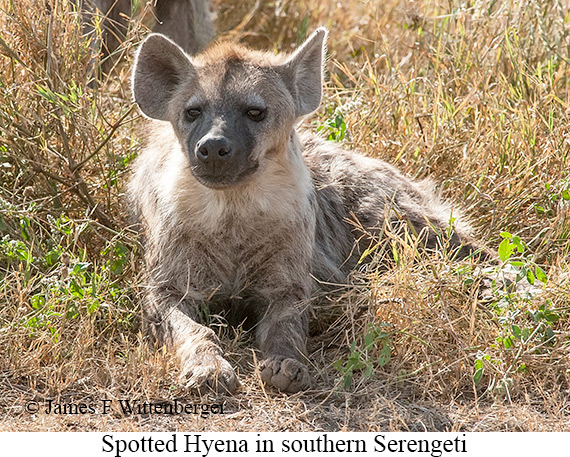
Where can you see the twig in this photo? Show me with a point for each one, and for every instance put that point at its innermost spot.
(114, 128)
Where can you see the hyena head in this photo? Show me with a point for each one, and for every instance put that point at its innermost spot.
(232, 108)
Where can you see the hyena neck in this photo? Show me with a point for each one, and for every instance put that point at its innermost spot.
(280, 190)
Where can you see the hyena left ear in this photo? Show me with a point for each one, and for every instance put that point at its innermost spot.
(160, 67)
(303, 72)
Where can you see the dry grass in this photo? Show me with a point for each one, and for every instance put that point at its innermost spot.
(473, 94)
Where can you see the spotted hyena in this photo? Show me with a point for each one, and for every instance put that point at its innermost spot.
(241, 212)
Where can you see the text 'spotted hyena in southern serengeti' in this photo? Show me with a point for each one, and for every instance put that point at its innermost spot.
(241, 212)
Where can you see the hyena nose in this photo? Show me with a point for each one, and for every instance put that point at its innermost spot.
(213, 149)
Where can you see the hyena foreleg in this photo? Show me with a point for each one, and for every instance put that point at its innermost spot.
(283, 294)
(282, 336)
(171, 319)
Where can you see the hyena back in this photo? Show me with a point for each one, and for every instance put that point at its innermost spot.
(240, 211)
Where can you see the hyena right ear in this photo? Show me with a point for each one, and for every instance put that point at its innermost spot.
(160, 67)
(303, 72)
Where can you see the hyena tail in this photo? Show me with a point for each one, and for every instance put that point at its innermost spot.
(439, 226)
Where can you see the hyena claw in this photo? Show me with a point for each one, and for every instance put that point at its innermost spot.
(285, 374)
(209, 373)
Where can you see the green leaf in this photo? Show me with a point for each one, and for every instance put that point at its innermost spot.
(76, 289)
(385, 355)
(530, 276)
(519, 244)
(549, 335)
(368, 340)
(537, 315)
(80, 267)
(38, 301)
(348, 379)
(25, 228)
(337, 365)
(338, 121)
(477, 375)
(24, 254)
(516, 331)
(517, 263)
(505, 250)
(522, 274)
(526, 333)
(51, 258)
(551, 316)
(93, 306)
(540, 275)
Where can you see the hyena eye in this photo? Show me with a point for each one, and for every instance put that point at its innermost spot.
(256, 114)
(193, 113)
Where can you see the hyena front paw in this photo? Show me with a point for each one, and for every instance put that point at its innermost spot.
(287, 375)
(209, 372)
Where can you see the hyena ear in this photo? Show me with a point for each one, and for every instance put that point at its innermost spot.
(303, 72)
(160, 67)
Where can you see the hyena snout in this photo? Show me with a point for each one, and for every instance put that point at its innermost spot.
(214, 151)
(218, 162)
